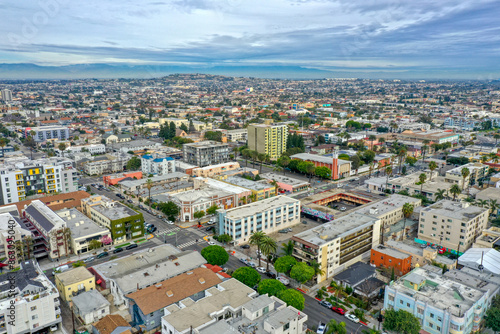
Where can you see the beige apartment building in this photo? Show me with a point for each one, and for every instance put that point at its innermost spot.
(448, 223)
(338, 244)
(477, 171)
(268, 139)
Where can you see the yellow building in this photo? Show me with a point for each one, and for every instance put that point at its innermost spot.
(73, 282)
(268, 139)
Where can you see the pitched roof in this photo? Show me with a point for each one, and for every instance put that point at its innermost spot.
(109, 323)
(174, 289)
(57, 202)
(355, 274)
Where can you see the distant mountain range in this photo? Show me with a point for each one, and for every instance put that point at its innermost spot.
(102, 71)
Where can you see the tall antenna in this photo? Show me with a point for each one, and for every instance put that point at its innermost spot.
(481, 267)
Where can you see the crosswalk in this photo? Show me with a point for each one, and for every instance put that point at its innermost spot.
(190, 243)
(167, 230)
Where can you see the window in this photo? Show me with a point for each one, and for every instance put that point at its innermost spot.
(420, 310)
(401, 302)
(33, 308)
(287, 326)
(391, 298)
(33, 317)
(432, 315)
(407, 304)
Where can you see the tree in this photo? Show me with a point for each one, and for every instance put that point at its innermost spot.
(212, 209)
(301, 272)
(94, 244)
(268, 246)
(171, 130)
(465, 172)
(421, 179)
(271, 286)
(310, 169)
(245, 153)
(215, 255)
(455, 191)
(440, 194)
(356, 162)
(323, 172)
(372, 139)
(62, 147)
(3, 143)
(407, 212)
(493, 319)
(198, 214)
(213, 135)
(134, 163)
(247, 276)
(411, 160)
(288, 247)
(261, 157)
(149, 185)
(184, 128)
(335, 327)
(284, 161)
(401, 322)
(317, 268)
(284, 264)
(224, 238)
(292, 298)
(388, 172)
(170, 209)
(432, 166)
(256, 239)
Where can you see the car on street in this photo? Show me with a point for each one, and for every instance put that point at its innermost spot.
(89, 259)
(130, 201)
(325, 304)
(270, 274)
(131, 246)
(251, 264)
(169, 222)
(261, 270)
(210, 228)
(321, 328)
(101, 255)
(117, 250)
(343, 208)
(243, 260)
(245, 246)
(211, 243)
(352, 317)
(283, 280)
(338, 310)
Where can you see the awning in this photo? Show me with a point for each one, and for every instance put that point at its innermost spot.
(99, 281)
(3, 265)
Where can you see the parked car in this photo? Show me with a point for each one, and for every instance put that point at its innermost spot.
(283, 280)
(131, 246)
(338, 310)
(321, 328)
(325, 304)
(210, 228)
(243, 260)
(89, 259)
(251, 264)
(118, 250)
(101, 255)
(352, 317)
(270, 274)
(130, 201)
(343, 208)
(211, 243)
(283, 231)
(261, 270)
(245, 246)
(169, 222)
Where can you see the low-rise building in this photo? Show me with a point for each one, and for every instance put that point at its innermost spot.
(237, 135)
(105, 164)
(156, 165)
(386, 257)
(489, 238)
(92, 149)
(144, 268)
(34, 298)
(440, 304)
(73, 282)
(285, 183)
(477, 170)
(112, 324)
(123, 222)
(340, 168)
(83, 230)
(212, 170)
(339, 243)
(450, 224)
(233, 307)
(90, 307)
(269, 215)
(205, 153)
(260, 190)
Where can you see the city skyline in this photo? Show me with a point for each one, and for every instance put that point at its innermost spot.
(310, 39)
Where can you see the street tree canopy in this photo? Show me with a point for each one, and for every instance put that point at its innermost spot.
(284, 264)
(170, 209)
(401, 322)
(302, 272)
(292, 298)
(271, 286)
(215, 255)
(247, 276)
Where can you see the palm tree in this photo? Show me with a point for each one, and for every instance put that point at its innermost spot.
(421, 178)
(255, 156)
(372, 139)
(407, 212)
(401, 155)
(268, 246)
(3, 143)
(246, 154)
(62, 147)
(494, 206)
(256, 239)
(388, 172)
(288, 247)
(455, 190)
(66, 232)
(310, 168)
(317, 268)
(276, 186)
(432, 166)
(284, 162)
(440, 194)
(253, 197)
(236, 150)
(481, 202)
(372, 166)
(465, 172)
(149, 185)
(424, 148)
(261, 157)
(335, 327)
(496, 136)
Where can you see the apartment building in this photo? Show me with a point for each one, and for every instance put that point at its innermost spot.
(34, 298)
(123, 222)
(206, 153)
(51, 236)
(268, 139)
(83, 230)
(461, 123)
(269, 215)
(24, 177)
(74, 282)
(237, 135)
(212, 170)
(12, 234)
(452, 224)
(233, 307)
(92, 149)
(339, 243)
(478, 172)
(6, 95)
(109, 163)
(156, 165)
(441, 305)
(44, 133)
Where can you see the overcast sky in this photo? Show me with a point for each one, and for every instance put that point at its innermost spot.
(441, 36)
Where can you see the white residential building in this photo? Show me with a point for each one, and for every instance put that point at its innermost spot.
(153, 164)
(35, 301)
(269, 215)
(44, 133)
(92, 149)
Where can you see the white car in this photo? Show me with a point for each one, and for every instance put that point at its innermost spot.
(321, 328)
(261, 270)
(170, 222)
(343, 208)
(352, 317)
(211, 243)
(283, 280)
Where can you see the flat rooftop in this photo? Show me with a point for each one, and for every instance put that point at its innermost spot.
(225, 186)
(116, 211)
(439, 291)
(388, 204)
(337, 228)
(249, 184)
(160, 178)
(458, 210)
(206, 192)
(205, 144)
(284, 179)
(260, 206)
(75, 275)
(391, 252)
(79, 224)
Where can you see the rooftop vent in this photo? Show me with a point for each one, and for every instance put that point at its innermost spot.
(201, 280)
(189, 273)
(170, 293)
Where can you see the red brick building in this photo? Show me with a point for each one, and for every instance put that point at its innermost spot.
(383, 256)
